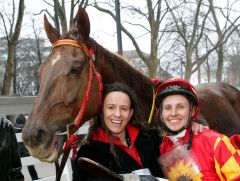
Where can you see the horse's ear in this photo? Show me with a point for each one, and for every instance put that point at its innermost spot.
(82, 23)
(52, 34)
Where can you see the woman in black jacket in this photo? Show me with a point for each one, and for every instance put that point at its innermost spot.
(10, 162)
(116, 137)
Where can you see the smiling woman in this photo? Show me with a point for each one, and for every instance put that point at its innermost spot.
(116, 138)
(184, 156)
(175, 111)
(117, 112)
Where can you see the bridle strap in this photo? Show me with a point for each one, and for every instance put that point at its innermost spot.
(66, 42)
(72, 142)
(152, 108)
(92, 69)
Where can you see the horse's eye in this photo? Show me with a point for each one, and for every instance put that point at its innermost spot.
(76, 70)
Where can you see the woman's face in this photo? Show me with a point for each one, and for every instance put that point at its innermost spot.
(175, 111)
(117, 112)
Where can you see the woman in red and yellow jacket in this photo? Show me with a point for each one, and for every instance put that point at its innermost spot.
(206, 156)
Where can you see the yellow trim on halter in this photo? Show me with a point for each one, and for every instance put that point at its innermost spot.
(66, 42)
(73, 43)
(152, 109)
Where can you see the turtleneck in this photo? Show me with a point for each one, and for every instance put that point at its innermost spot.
(175, 138)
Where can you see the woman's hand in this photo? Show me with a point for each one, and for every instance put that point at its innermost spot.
(198, 128)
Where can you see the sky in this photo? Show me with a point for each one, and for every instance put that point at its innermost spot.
(103, 27)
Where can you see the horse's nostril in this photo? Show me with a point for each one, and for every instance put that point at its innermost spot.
(38, 136)
(33, 137)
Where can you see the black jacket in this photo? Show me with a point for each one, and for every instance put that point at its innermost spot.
(10, 162)
(98, 151)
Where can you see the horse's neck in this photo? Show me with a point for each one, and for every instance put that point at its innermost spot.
(114, 68)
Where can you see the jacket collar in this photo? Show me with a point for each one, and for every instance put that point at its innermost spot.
(182, 137)
(101, 136)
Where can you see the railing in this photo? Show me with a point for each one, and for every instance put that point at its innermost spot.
(26, 161)
(10, 105)
(29, 160)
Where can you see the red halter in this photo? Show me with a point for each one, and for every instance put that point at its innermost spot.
(71, 143)
(92, 70)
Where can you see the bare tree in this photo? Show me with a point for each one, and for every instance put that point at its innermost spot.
(223, 33)
(154, 16)
(59, 15)
(194, 32)
(190, 30)
(37, 59)
(29, 53)
(12, 35)
(233, 58)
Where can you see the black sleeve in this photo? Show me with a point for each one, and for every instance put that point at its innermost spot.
(89, 150)
(15, 158)
(10, 167)
(79, 174)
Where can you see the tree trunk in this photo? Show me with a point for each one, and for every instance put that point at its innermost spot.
(153, 67)
(220, 64)
(11, 47)
(188, 73)
(8, 71)
(208, 72)
(188, 67)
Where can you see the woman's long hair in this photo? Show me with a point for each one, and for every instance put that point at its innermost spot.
(98, 122)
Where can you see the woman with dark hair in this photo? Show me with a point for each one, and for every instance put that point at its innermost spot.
(116, 137)
(185, 156)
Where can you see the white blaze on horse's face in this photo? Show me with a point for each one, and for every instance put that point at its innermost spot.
(56, 58)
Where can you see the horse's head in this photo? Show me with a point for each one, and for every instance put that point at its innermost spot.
(67, 83)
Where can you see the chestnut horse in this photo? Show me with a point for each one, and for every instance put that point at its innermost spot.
(65, 77)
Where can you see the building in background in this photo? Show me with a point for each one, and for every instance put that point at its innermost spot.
(27, 61)
(134, 59)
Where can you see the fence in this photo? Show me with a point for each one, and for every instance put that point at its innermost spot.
(10, 105)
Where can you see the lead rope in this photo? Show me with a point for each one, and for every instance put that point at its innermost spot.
(72, 142)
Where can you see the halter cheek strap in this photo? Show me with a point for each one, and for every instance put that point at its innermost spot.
(92, 71)
(72, 142)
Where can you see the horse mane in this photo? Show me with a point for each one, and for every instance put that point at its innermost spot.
(119, 69)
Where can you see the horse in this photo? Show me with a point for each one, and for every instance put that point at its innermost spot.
(71, 78)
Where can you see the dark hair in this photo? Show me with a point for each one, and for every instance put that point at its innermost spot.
(117, 86)
(136, 119)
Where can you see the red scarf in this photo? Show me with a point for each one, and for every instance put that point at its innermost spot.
(102, 136)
